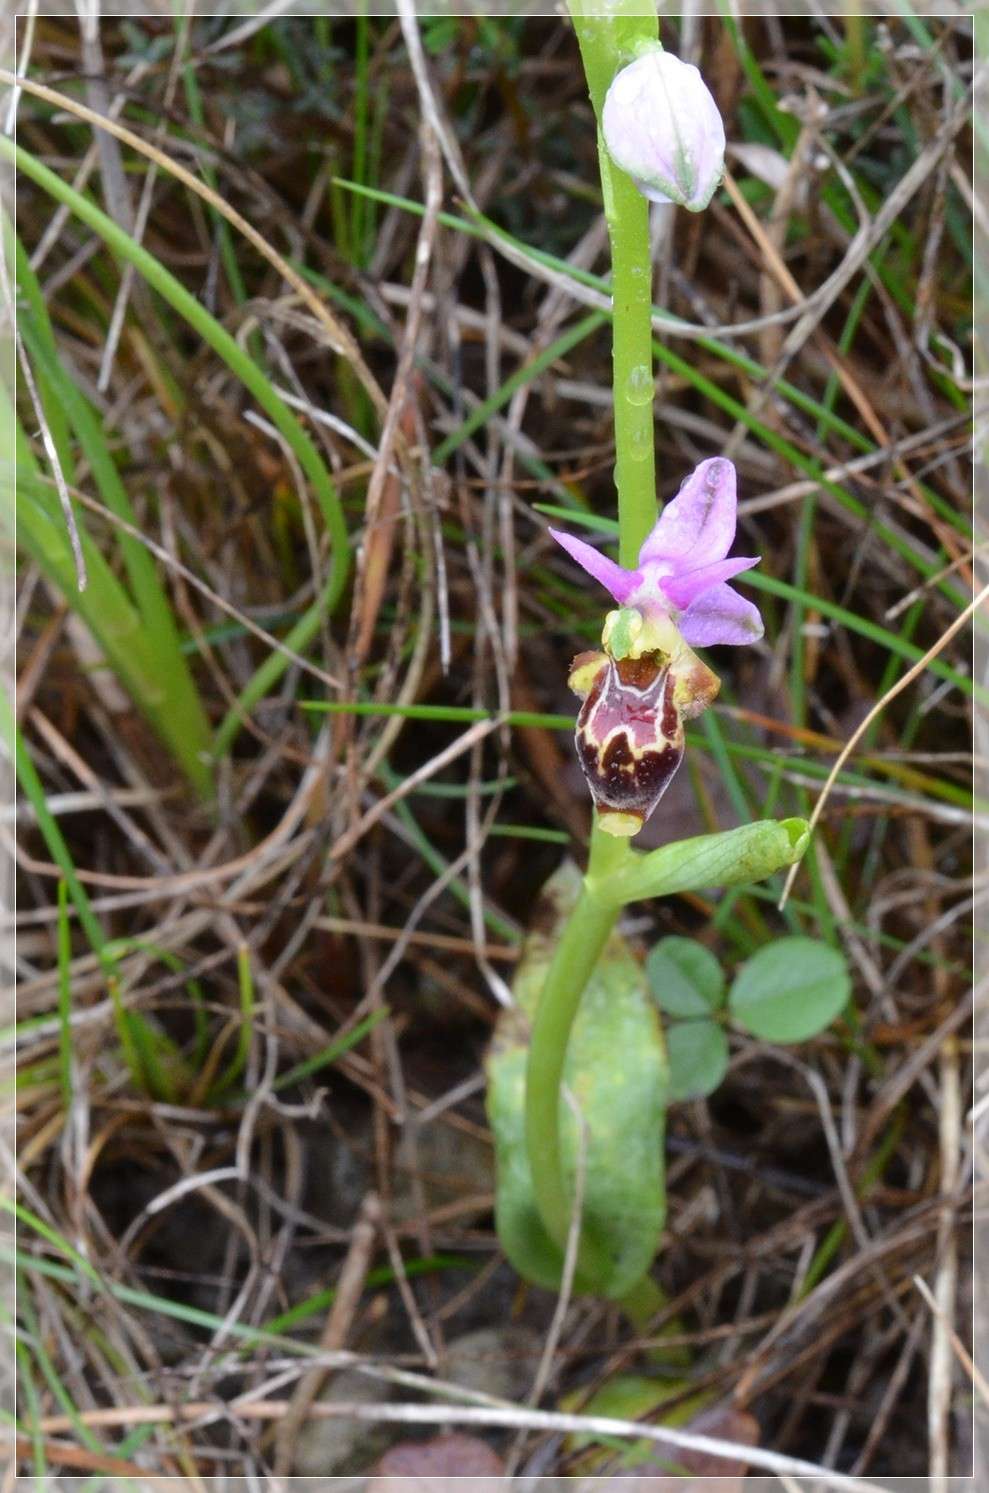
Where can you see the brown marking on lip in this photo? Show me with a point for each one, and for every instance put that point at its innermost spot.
(625, 778)
(618, 755)
(640, 673)
(614, 703)
(654, 770)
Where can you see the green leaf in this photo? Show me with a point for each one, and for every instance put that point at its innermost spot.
(698, 1055)
(790, 990)
(686, 978)
(616, 1069)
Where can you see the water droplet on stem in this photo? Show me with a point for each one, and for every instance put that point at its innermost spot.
(639, 385)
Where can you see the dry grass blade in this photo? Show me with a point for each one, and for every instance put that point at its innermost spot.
(171, 562)
(971, 1368)
(346, 842)
(335, 1329)
(474, 1415)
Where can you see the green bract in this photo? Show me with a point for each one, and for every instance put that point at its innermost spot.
(736, 855)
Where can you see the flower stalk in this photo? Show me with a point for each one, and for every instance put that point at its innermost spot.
(606, 42)
(635, 460)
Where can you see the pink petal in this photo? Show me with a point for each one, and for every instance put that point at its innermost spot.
(699, 523)
(720, 615)
(621, 583)
(682, 589)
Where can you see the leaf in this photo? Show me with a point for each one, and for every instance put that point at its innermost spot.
(698, 1056)
(686, 978)
(790, 990)
(616, 1069)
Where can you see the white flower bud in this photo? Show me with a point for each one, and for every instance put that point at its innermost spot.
(662, 126)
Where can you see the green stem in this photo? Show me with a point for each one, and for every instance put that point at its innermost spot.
(607, 43)
(641, 1304)
(574, 959)
(631, 278)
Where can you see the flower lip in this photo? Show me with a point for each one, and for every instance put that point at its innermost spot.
(683, 566)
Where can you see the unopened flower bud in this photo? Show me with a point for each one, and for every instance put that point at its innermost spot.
(662, 126)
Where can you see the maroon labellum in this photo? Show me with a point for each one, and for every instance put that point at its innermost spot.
(629, 735)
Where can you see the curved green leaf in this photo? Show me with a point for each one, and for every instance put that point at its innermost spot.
(727, 859)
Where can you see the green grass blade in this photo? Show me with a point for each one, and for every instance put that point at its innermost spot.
(947, 792)
(861, 625)
(734, 357)
(250, 375)
(384, 1275)
(32, 786)
(180, 699)
(32, 1406)
(522, 376)
(332, 1051)
(104, 605)
(43, 1359)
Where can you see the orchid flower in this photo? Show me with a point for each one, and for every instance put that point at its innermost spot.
(647, 681)
(683, 569)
